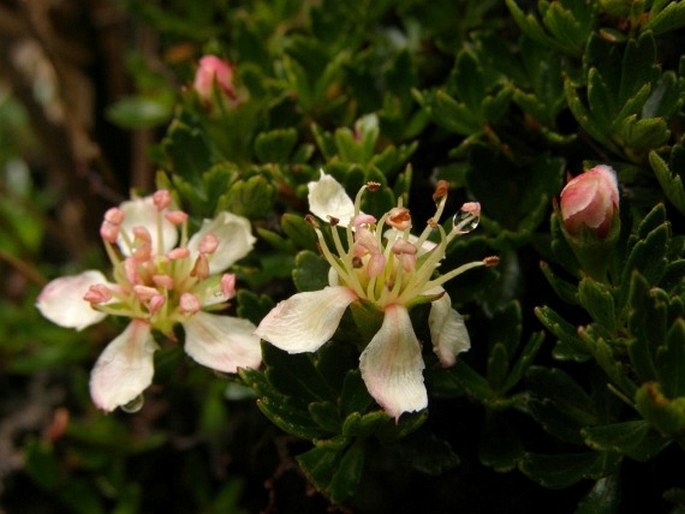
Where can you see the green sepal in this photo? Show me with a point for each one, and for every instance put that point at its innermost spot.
(276, 145)
(562, 470)
(311, 271)
(636, 439)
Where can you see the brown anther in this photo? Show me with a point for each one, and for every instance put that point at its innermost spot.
(373, 186)
(357, 262)
(309, 218)
(399, 218)
(491, 261)
(441, 190)
(333, 221)
(432, 223)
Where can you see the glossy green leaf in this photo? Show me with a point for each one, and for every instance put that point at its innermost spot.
(311, 271)
(276, 145)
(637, 439)
(597, 298)
(670, 362)
(562, 470)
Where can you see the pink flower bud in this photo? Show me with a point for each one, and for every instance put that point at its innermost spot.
(98, 293)
(156, 303)
(189, 303)
(162, 199)
(176, 217)
(163, 281)
(590, 200)
(209, 244)
(114, 215)
(228, 285)
(212, 70)
(178, 253)
(109, 232)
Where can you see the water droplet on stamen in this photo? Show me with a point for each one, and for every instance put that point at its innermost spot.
(134, 405)
(464, 222)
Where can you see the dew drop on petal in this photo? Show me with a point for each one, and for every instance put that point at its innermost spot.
(134, 405)
(465, 221)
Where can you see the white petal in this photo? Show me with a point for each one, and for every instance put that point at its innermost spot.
(235, 240)
(61, 301)
(448, 331)
(392, 366)
(141, 212)
(221, 342)
(305, 321)
(327, 197)
(125, 368)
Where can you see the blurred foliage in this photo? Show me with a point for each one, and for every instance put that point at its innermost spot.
(572, 396)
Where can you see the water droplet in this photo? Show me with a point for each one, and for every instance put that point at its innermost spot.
(134, 405)
(465, 221)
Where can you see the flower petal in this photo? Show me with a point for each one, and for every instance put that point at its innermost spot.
(392, 366)
(235, 240)
(142, 212)
(327, 197)
(448, 332)
(305, 321)
(221, 342)
(61, 301)
(125, 368)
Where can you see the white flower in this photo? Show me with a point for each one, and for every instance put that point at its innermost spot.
(390, 270)
(158, 282)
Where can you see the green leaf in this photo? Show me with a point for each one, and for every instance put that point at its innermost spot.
(189, 151)
(364, 425)
(637, 439)
(252, 306)
(140, 112)
(572, 345)
(470, 381)
(498, 366)
(524, 361)
(565, 290)
(311, 271)
(559, 404)
(672, 17)
(275, 145)
(670, 362)
(354, 397)
(598, 300)
(563, 470)
(251, 198)
(346, 478)
(326, 415)
(647, 324)
(500, 447)
(426, 453)
(671, 184)
(603, 498)
(665, 414)
(41, 465)
(299, 231)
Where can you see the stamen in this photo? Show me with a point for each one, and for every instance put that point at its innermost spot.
(156, 303)
(144, 293)
(176, 217)
(163, 281)
(189, 303)
(209, 244)
(441, 190)
(114, 216)
(162, 199)
(178, 253)
(98, 293)
(109, 232)
(399, 218)
(201, 268)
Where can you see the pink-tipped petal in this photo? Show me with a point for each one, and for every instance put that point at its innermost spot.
(448, 331)
(222, 343)
(392, 367)
(61, 301)
(234, 236)
(305, 321)
(125, 368)
(142, 212)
